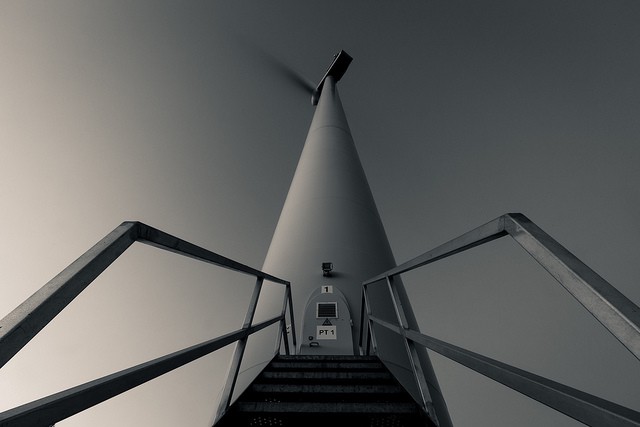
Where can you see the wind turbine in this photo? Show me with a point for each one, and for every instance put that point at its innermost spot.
(329, 239)
(329, 244)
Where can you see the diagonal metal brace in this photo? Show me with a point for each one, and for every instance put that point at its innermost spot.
(614, 310)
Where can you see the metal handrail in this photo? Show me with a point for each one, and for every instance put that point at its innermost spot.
(615, 311)
(30, 317)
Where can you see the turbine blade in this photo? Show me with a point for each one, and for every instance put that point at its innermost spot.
(289, 73)
(277, 65)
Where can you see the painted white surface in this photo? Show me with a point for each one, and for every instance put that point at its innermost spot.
(330, 216)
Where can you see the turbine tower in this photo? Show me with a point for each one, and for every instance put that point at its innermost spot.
(329, 239)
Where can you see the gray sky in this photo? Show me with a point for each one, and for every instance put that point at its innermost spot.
(168, 113)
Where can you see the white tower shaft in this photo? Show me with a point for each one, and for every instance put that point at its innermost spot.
(330, 216)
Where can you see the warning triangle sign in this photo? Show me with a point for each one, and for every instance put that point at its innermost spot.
(326, 322)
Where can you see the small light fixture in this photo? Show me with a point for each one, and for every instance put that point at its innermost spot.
(326, 268)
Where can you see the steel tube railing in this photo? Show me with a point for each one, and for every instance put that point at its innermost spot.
(616, 312)
(485, 233)
(23, 323)
(612, 309)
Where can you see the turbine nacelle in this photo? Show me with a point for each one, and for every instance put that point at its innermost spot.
(338, 67)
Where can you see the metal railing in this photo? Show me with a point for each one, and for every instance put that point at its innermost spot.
(616, 312)
(23, 323)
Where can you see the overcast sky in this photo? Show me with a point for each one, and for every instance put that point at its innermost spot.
(176, 114)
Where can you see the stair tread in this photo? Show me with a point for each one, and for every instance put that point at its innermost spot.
(317, 390)
(336, 365)
(327, 388)
(325, 357)
(330, 407)
(322, 375)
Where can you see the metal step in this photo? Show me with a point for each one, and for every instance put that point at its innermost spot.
(329, 407)
(324, 375)
(326, 358)
(333, 365)
(323, 391)
(328, 420)
(327, 388)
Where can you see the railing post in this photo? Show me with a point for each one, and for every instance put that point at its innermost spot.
(372, 336)
(362, 325)
(614, 310)
(283, 322)
(234, 366)
(291, 318)
(421, 382)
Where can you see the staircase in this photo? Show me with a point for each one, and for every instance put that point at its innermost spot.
(325, 391)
